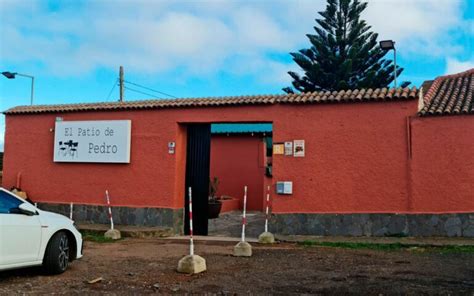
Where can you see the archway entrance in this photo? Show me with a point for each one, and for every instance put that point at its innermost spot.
(234, 154)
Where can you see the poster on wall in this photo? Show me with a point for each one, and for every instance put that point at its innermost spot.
(101, 141)
(298, 146)
(277, 148)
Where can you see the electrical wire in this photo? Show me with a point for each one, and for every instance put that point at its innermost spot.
(143, 93)
(150, 89)
(115, 84)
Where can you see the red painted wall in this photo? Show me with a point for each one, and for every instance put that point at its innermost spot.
(356, 158)
(442, 164)
(154, 178)
(239, 161)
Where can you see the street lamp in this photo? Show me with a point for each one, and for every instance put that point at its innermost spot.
(387, 45)
(12, 75)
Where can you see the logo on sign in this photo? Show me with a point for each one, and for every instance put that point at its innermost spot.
(68, 149)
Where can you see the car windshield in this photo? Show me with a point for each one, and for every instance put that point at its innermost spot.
(8, 203)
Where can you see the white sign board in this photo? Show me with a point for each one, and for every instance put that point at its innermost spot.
(92, 141)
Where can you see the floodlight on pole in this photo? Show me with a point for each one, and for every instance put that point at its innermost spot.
(9, 75)
(12, 75)
(388, 45)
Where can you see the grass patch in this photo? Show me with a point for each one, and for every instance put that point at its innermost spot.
(455, 249)
(349, 245)
(96, 237)
(390, 247)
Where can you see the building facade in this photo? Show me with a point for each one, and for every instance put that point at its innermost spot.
(363, 163)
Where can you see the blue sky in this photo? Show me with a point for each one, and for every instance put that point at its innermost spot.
(202, 48)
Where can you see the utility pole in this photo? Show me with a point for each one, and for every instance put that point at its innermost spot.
(121, 84)
(387, 45)
(395, 65)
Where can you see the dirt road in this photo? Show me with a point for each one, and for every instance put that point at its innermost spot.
(147, 266)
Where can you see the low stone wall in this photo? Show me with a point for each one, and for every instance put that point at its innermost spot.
(172, 218)
(451, 225)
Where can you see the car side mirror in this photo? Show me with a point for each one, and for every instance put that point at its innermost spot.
(27, 209)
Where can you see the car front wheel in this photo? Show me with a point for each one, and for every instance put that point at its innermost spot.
(56, 258)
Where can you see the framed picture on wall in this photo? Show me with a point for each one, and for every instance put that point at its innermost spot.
(298, 148)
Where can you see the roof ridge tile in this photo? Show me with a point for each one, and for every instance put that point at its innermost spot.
(355, 95)
(450, 95)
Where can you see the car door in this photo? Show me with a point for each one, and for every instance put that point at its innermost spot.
(20, 234)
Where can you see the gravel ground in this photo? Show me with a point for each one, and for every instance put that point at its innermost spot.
(147, 266)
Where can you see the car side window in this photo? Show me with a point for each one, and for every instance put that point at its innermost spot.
(8, 202)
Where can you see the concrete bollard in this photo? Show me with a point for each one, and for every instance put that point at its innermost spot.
(191, 263)
(113, 234)
(266, 237)
(243, 248)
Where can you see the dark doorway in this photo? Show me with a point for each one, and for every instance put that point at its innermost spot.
(197, 176)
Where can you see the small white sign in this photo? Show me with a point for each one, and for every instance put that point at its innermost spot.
(289, 148)
(92, 141)
(285, 187)
(298, 147)
(171, 147)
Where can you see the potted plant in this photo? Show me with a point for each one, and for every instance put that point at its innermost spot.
(214, 204)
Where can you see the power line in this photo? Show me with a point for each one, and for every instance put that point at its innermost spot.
(115, 84)
(150, 89)
(143, 93)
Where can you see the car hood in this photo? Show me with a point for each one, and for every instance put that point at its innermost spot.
(46, 217)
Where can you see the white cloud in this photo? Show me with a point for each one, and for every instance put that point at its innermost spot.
(454, 66)
(419, 27)
(256, 29)
(144, 37)
(150, 43)
(203, 38)
(264, 70)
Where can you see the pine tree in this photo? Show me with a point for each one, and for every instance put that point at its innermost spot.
(344, 53)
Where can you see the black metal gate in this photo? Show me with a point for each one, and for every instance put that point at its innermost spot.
(198, 155)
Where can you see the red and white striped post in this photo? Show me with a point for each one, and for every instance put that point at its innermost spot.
(110, 210)
(191, 243)
(191, 263)
(244, 220)
(267, 207)
(267, 237)
(243, 248)
(70, 211)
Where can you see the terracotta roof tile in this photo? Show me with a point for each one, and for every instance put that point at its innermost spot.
(303, 98)
(449, 95)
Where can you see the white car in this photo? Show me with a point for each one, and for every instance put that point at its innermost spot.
(31, 237)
